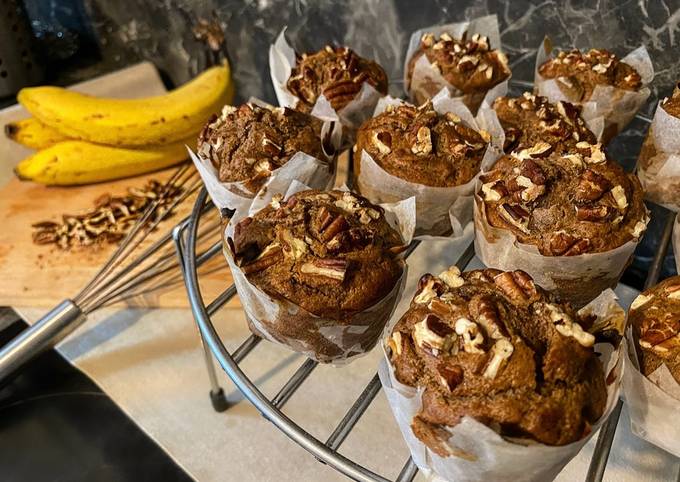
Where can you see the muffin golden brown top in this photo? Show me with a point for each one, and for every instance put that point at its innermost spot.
(565, 204)
(580, 72)
(336, 72)
(531, 118)
(332, 253)
(468, 64)
(249, 142)
(419, 145)
(655, 318)
(493, 346)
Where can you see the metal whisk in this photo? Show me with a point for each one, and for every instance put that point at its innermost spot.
(132, 270)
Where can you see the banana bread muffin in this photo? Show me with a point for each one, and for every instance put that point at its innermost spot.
(565, 204)
(530, 119)
(470, 65)
(579, 73)
(334, 255)
(421, 146)
(662, 186)
(249, 142)
(493, 346)
(655, 318)
(336, 72)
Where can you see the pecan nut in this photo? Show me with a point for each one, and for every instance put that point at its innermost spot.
(592, 213)
(450, 376)
(515, 215)
(564, 244)
(517, 285)
(332, 268)
(423, 143)
(591, 186)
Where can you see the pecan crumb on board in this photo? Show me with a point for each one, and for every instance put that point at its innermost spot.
(110, 219)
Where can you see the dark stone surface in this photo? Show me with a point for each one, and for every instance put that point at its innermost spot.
(56, 424)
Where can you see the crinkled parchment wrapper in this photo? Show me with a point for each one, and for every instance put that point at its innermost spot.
(653, 402)
(281, 63)
(232, 196)
(578, 279)
(325, 340)
(676, 242)
(485, 455)
(658, 167)
(432, 203)
(609, 110)
(426, 82)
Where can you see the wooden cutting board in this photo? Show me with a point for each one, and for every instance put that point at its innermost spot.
(41, 276)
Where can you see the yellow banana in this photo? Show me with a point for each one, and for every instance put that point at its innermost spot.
(33, 133)
(79, 162)
(132, 122)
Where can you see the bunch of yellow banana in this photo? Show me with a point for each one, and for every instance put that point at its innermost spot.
(84, 139)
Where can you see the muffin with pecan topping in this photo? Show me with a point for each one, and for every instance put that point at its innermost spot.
(337, 73)
(613, 90)
(530, 119)
(565, 204)
(330, 260)
(660, 154)
(493, 346)
(578, 73)
(655, 318)
(420, 145)
(470, 66)
(247, 143)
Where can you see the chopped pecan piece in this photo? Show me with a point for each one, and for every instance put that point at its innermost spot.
(517, 285)
(592, 213)
(423, 143)
(564, 244)
(516, 215)
(269, 256)
(333, 268)
(450, 376)
(591, 186)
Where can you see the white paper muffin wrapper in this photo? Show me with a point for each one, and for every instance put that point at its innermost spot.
(485, 455)
(426, 81)
(660, 175)
(281, 63)
(676, 242)
(578, 279)
(653, 403)
(609, 110)
(324, 339)
(432, 203)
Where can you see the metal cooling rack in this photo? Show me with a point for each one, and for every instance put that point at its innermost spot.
(185, 235)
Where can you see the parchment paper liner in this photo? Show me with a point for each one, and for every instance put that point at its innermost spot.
(281, 63)
(578, 279)
(676, 242)
(653, 402)
(313, 172)
(485, 455)
(609, 110)
(658, 167)
(432, 203)
(325, 340)
(426, 82)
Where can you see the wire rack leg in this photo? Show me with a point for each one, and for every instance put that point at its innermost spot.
(217, 396)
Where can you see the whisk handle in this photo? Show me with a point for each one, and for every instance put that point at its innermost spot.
(43, 334)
